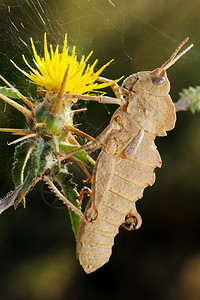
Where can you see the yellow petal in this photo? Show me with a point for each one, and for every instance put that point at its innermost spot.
(50, 70)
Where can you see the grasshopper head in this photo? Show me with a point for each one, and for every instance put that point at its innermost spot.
(155, 82)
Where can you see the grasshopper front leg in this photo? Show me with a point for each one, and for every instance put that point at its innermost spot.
(100, 99)
(93, 145)
(115, 87)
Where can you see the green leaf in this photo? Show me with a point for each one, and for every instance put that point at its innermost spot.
(9, 92)
(80, 155)
(36, 168)
(64, 179)
(42, 161)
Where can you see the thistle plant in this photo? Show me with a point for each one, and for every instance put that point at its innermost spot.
(50, 130)
(189, 100)
(50, 127)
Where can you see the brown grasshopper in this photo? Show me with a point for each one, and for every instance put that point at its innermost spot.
(126, 163)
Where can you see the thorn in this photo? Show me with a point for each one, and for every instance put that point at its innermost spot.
(111, 3)
(57, 150)
(23, 138)
(26, 101)
(15, 131)
(79, 110)
(77, 131)
(40, 125)
(26, 112)
(57, 107)
(64, 82)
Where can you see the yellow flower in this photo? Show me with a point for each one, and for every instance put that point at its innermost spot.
(51, 68)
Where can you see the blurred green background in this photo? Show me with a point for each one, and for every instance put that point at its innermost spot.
(37, 247)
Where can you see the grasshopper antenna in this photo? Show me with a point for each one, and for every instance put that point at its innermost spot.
(174, 56)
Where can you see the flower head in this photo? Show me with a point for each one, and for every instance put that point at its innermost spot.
(50, 70)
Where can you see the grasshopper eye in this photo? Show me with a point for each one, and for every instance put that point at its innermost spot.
(158, 80)
(129, 82)
(126, 84)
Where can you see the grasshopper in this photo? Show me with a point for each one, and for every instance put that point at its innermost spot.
(126, 163)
